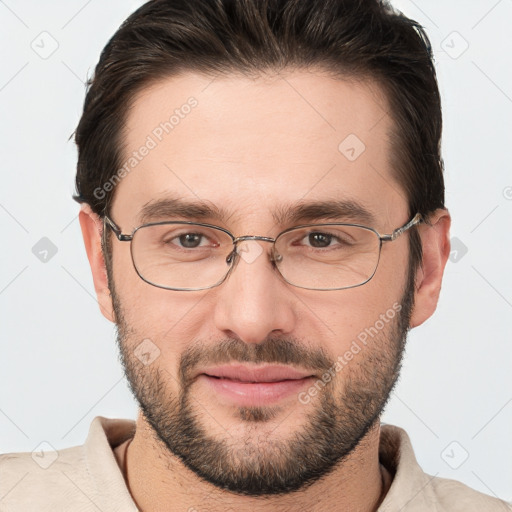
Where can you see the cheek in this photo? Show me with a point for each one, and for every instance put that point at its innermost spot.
(335, 319)
(145, 307)
(169, 319)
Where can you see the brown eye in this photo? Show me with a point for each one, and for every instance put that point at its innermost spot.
(190, 240)
(319, 240)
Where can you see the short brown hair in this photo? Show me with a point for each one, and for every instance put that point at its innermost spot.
(351, 38)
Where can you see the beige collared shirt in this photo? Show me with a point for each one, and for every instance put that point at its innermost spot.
(88, 478)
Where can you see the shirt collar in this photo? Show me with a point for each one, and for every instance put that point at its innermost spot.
(410, 486)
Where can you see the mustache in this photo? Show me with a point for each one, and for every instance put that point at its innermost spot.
(271, 350)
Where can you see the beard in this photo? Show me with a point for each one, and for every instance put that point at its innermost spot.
(258, 463)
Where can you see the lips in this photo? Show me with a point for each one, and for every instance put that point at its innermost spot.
(252, 374)
(245, 385)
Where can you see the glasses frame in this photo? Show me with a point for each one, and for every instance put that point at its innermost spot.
(234, 256)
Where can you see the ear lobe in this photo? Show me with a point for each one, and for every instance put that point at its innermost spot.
(435, 239)
(92, 230)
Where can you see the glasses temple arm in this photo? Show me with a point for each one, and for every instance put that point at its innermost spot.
(397, 232)
(116, 230)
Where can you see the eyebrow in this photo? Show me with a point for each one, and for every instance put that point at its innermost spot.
(299, 212)
(169, 207)
(335, 210)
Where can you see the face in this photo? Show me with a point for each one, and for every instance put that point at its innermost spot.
(258, 386)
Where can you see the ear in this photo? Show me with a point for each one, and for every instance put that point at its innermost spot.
(435, 240)
(92, 230)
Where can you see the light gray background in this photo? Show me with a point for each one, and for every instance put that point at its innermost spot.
(58, 364)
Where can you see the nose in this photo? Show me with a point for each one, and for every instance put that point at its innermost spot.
(254, 302)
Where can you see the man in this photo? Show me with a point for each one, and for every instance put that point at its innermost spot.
(263, 212)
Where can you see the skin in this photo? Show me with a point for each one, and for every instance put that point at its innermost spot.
(249, 145)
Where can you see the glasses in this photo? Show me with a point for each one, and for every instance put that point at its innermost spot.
(190, 256)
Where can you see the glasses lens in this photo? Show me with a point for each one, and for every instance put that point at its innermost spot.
(327, 257)
(181, 256)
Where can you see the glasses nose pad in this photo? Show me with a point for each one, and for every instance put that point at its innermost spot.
(275, 256)
(231, 256)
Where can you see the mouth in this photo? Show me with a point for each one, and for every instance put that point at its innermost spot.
(253, 386)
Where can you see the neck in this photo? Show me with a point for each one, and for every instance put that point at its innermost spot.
(157, 478)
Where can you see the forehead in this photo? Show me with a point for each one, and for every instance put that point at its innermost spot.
(254, 146)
